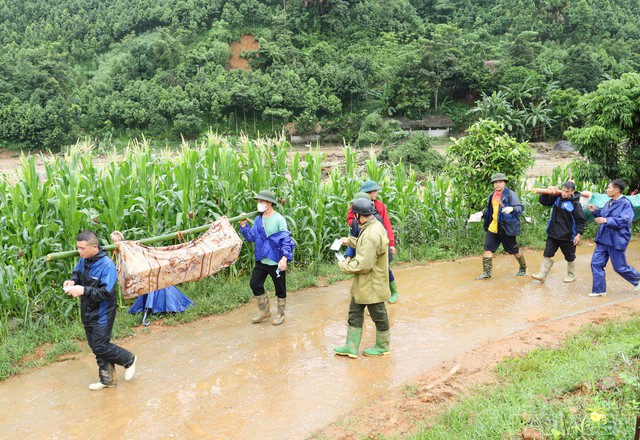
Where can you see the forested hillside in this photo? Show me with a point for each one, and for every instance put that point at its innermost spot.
(121, 68)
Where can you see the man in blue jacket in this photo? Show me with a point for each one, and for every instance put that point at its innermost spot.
(94, 280)
(502, 223)
(273, 249)
(612, 239)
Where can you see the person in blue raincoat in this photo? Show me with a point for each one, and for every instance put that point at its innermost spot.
(502, 223)
(273, 250)
(612, 239)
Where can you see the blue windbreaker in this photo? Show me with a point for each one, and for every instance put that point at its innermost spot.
(272, 247)
(98, 275)
(508, 224)
(616, 232)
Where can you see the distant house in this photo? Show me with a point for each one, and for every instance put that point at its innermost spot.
(434, 126)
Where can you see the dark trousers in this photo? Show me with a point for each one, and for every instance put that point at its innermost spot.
(619, 262)
(259, 275)
(493, 241)
(566, 246)
(378, 312)
(99, 339)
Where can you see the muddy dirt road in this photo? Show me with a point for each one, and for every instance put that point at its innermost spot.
(223, 378)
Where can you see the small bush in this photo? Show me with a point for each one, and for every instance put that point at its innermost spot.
(416, 152)
(377, 131)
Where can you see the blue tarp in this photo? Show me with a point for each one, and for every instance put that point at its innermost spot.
(165, 300)
(599, 200)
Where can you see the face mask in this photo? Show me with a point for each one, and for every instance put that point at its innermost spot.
(262, 207)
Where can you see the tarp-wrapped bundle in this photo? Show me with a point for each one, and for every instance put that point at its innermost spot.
(143, 269)
(599, 200)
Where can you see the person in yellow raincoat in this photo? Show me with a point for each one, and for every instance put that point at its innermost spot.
(370, 287)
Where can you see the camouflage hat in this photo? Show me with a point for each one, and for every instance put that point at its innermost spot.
(499, 176)
(361, 195)
(266, 196)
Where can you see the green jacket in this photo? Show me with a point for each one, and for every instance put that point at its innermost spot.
(370, 264)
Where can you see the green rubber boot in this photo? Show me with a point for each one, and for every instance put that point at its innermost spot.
(487, 268)
(523, 266)
(394, 292)
(354, 335)
(263, 307)
(279, 319)
(382, 345)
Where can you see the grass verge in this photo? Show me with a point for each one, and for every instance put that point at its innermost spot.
(588, 389)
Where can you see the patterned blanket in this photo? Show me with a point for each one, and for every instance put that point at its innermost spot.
(143, 269)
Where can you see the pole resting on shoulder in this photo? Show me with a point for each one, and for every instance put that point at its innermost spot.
(150, 240)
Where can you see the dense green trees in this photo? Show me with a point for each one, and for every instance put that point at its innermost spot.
(71, 68)
(611, 135)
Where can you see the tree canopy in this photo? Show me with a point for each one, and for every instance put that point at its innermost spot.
(73, 68)
(610, 136)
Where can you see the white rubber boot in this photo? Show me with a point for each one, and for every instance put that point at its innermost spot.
(545, 267)
(131, 370)
(571, 272)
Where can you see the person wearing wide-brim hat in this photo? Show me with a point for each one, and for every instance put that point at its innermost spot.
(273, 250)
(371, 188)
(502, 223)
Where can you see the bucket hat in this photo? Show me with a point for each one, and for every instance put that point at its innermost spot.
(499, 176)
(267, 196)
(370, 185)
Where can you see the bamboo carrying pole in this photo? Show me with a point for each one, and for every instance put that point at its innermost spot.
(172, 236)
(585, 194)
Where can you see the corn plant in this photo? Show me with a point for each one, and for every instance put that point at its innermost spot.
(143, 193)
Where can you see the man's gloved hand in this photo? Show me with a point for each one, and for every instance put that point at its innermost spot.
(477, 217)
(507, 210)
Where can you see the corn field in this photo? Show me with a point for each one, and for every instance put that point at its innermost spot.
(145, 193)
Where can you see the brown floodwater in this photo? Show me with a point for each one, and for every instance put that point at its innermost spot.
(224, 378)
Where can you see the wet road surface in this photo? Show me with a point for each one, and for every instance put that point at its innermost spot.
(224, 378)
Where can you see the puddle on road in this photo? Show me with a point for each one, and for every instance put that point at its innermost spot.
(223, 377)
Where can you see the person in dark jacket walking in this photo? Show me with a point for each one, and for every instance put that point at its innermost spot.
(502, 223)
(94, 280)
(273, 249)
(564, 229)
(612, 239)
